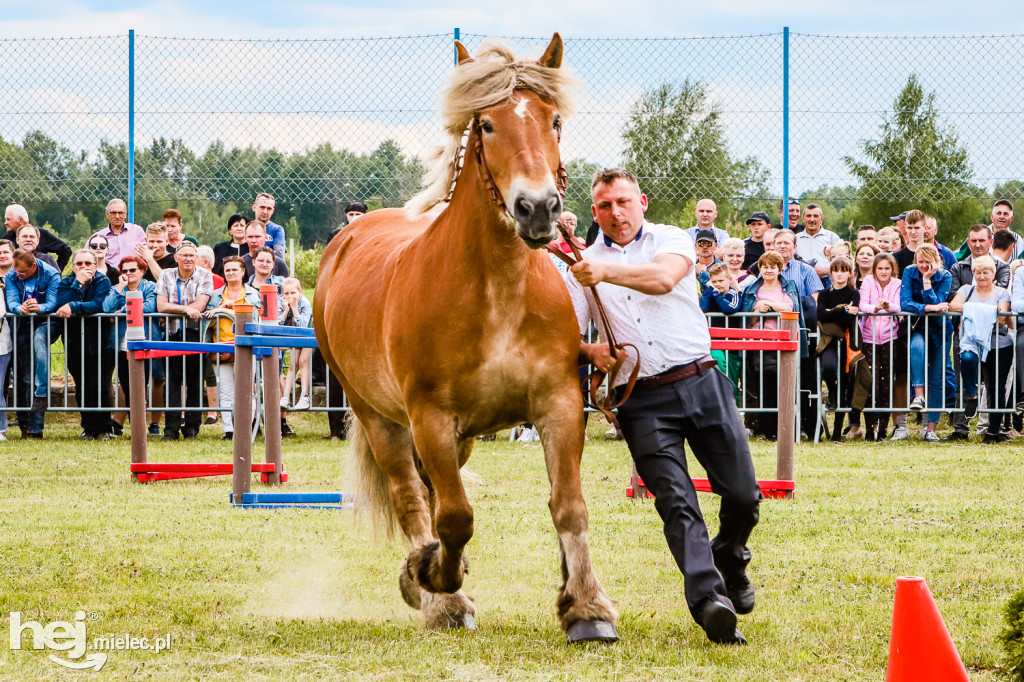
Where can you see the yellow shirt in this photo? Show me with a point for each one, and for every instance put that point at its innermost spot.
(225, 325)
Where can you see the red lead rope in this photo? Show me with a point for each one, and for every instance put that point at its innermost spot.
(616, 350)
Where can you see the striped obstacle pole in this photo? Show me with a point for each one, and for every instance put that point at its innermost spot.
(136, 379)
(242, 447)
(785, 340)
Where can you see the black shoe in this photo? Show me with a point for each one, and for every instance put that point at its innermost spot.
(230, 436)
(488, 437)
(957, 435)
(190, 435)
(286, 431)
(741, 593)
(170, 435)
(154, 430)
(719, 623)
(37, 436)
(116, 429)
(992, 438)
(88, 436)
(39, 403)
(971, 407)
(210, 420)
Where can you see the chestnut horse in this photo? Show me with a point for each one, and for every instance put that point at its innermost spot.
(443, 325)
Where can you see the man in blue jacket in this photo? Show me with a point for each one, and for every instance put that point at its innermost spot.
(30, 291)
(88, 356)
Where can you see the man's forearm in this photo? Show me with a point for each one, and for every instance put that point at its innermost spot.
(647, 278)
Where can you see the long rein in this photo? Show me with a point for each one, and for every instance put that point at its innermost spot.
(618, 351)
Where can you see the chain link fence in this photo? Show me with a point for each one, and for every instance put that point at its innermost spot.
(875, 124)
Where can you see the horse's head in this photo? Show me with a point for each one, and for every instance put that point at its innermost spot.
(518, 149)
(513, 110)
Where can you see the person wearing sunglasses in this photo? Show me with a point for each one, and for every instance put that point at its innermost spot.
(99, 248)
(89, 355)
(130, 278)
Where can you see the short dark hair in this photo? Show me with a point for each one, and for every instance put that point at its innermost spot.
(1003, 239)
(980, 228)
(8, 242)
(866, 227)
(265, 249)
(25, 256)
(233, 259)
(607, 176)
(235, 218)
(914, 217)
(811, 206)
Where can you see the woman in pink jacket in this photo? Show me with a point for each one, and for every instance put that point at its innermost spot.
(880, 294)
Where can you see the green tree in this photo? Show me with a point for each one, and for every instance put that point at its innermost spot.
(916, 162)
(676, 144)
(80, 230)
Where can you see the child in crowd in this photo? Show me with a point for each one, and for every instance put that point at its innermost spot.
(722, 295)
(297, 313)
(837, 314)
(886, 352)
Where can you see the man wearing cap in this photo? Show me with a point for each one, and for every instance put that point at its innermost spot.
(121, 236)
(753, 246)
(263, 208)
(15, 216)
(901, 224)
(646, 279)
(352, 211)
(706, 213)
(795, 226)
(706, 257)
(812, 242)
(184, 290)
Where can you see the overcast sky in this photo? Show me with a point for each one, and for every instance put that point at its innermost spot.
(591, 18)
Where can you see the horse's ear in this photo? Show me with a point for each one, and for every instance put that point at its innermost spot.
(553, 55)
(462, 53)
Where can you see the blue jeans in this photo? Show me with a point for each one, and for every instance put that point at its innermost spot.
(932, 345)
(32, 369)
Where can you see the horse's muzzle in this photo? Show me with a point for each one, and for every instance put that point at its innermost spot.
(535, 214)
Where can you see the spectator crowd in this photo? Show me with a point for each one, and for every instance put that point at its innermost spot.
(191, 288)
(894, 324)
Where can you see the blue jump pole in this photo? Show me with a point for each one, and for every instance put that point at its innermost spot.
(131, 126)
(785, 127)
(454, 50)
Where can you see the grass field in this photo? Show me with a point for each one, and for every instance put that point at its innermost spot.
(301, 594)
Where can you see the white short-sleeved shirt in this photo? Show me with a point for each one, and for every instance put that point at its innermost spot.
(668, 329)
(812, 249)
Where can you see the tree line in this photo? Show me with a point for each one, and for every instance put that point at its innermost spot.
(674, 139)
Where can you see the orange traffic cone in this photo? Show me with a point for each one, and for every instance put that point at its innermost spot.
(920, 647)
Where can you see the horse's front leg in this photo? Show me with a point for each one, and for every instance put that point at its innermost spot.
(585, 611)
(439, 567)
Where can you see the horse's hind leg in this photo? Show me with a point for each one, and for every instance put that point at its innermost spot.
(584, 610)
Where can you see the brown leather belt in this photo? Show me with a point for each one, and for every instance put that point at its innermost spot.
(673, 375)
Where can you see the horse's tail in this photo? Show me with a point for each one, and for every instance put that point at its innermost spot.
(372, 491)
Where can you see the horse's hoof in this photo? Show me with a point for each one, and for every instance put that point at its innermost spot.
(408, 587)
(591, 631)
(467, 623)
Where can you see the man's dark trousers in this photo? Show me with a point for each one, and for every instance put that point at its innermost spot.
(699, 410)
(184, 372)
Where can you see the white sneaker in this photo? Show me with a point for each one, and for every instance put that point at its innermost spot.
(900, 433)
(930, 436)
(3, 436)
(918, 404)
(529, 435)
(284, 402)
(302, 403)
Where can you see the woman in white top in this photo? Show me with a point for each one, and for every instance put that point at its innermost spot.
(997, 346)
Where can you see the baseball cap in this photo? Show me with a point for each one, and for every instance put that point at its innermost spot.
(705, 236)
(901, 216)
(759, 216)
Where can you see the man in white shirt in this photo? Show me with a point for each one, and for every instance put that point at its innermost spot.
(812, 242)
(706, 212)
(645, 273)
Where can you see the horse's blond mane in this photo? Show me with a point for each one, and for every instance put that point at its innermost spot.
(473, 86)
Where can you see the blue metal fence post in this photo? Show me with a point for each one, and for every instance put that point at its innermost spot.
(454, 49)
(785, 127)
(131, 126)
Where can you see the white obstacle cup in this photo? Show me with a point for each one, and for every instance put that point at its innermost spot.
(135, 331)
